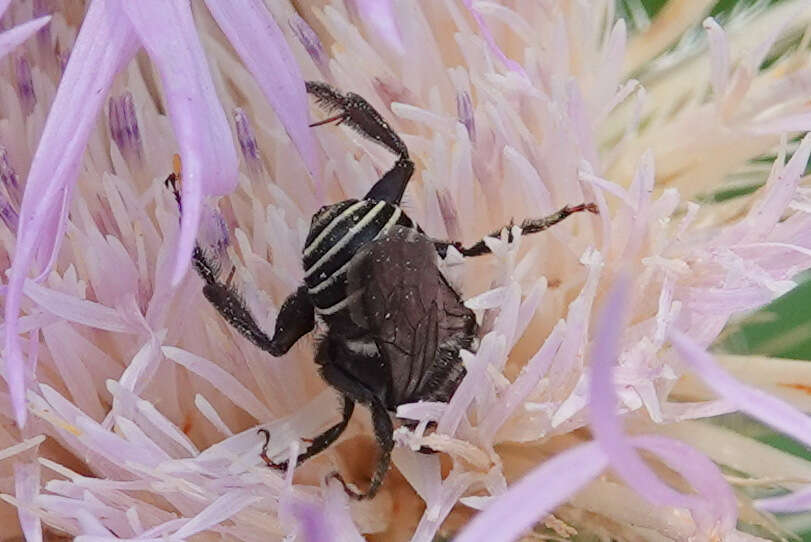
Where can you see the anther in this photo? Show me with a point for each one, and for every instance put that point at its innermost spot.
(247, 140)
(9, 179)
(124, 126)
(464, 111)
(309, 40)
(25, 84)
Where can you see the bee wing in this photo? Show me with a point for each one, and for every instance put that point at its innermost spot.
(416, 318)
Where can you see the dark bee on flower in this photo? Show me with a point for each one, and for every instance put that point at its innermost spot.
(394, 326)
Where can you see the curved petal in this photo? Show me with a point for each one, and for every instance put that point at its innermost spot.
(260, 43)
(606, 425)
(758, 404)
(168, 33)
(536, 495)
(12, 38)
(105, 42)
(770, 410)
(704, 475)
(799, 501)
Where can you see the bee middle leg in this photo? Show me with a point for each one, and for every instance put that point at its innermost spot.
(532, 225)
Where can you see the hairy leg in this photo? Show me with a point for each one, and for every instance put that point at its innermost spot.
(358, 114)
(296, 317)
(532, 225)
(383, 428)
(319, 443)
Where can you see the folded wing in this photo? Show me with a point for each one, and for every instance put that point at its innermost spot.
(415, 317)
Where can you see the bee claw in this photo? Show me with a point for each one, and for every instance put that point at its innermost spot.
(264, 453)
(334, 475)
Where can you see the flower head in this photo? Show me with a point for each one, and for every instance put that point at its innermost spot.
(574, 402)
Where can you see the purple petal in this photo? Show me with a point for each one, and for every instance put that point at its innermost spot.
(106, 42)
(25, 84)
(380, 16)
(169, 35)
(606, 425)
(491, 41)
(12, 38)
(261, 45)
(536, 495)
(312, 521)
(309, 40)
(799, 501)
(758, 404)
(704, 475)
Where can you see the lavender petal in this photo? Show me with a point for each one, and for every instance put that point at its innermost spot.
(770, 410)
(105, 42)
(12, 38)
(380, 16)
(524, 504)
(260, 43)
(606, 426)
(169, 34)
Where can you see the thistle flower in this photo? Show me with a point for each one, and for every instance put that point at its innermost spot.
(145, 404)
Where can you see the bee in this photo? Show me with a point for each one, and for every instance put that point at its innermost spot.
(394, 325)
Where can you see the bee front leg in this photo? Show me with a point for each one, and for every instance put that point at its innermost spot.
(296, 317)
(358, 114)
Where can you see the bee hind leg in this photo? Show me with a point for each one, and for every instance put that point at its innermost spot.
(383, 428)
(319, 443)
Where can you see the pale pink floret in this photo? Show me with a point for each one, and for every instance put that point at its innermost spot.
(109, 39)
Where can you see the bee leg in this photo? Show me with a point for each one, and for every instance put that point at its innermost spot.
(296, 317)
(383, 432)
(392, 185)
(528, 226)
(358, 114)
(383, 428)
(319, 443)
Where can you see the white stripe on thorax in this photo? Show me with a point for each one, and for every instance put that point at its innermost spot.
(333, 278)
(367, 218)
(329, 281)
(331, 226)
(392, 221)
